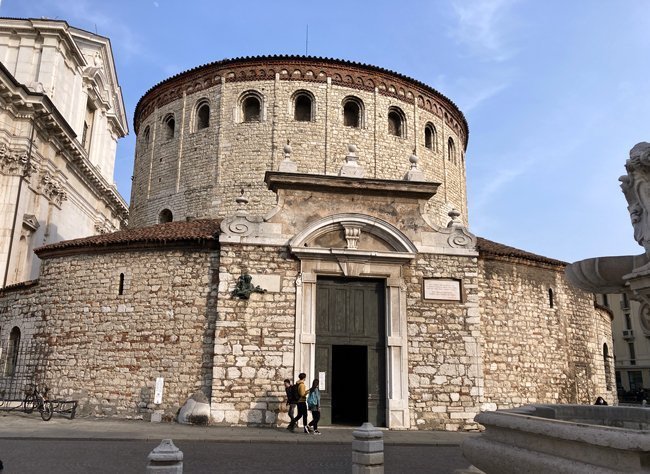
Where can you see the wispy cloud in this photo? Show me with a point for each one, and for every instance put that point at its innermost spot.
(84, 12)
(504, 176)
(483, 27)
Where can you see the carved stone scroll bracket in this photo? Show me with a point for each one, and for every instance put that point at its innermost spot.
(455, 235)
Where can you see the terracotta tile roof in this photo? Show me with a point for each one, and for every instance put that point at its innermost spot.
(199, 230)
(487, 247)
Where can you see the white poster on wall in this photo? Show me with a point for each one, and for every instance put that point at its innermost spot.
(157, 398)
(321, 381)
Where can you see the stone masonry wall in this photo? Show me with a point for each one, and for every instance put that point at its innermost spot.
(532, 352)
(108, 349)
(443, 341)
(254, 339)
(199, 173)
(19, 308)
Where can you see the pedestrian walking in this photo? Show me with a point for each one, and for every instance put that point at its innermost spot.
(292, 402)
(302, 402)
(313, 403)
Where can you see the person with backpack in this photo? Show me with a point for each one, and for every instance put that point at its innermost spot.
(302, 402)
(292, 401)
(313, 403)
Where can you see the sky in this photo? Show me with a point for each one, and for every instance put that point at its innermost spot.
(555, 92)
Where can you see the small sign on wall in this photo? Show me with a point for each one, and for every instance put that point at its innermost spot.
(321, 381)
(157, 397)
(442, 289)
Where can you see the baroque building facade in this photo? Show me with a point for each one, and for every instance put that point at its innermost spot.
(61, 114)
(296, 214)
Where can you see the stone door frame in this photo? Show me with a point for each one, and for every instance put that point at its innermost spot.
(354, 263)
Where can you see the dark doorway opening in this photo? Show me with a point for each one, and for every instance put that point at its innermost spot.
(349, 385)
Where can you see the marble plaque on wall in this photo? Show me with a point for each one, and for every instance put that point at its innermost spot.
(443, 289)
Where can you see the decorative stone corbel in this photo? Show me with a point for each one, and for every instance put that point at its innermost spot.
(241, 224)
(352, 235)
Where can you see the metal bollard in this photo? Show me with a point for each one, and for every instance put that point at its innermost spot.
(367, 450)
(166, 458)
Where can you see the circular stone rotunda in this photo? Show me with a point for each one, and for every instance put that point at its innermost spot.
(297, 214)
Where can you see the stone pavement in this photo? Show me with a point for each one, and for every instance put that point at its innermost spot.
(16, 425)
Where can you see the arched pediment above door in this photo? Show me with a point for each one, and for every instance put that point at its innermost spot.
(352, 234)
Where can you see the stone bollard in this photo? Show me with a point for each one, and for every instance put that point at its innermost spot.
(367, 450)
(166, 458)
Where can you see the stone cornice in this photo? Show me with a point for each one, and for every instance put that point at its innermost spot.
(321, 183)
(303, 68)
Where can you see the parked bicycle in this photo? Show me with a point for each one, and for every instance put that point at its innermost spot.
(35, 400)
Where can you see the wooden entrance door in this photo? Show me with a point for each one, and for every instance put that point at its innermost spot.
(351, 350)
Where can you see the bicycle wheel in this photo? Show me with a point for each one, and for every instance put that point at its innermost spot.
(46, 410)
(29, 404)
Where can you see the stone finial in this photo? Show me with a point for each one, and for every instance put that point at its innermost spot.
(455, 221)
(367, 449)
(414, 174)
(241, 200)
(166, 458)
(351, 167)
(286, 165)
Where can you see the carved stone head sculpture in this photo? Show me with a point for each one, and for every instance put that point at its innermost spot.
(636, 187)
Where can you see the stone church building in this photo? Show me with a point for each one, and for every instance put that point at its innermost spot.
(297, 214)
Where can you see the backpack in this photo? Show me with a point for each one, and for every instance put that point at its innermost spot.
(294, 396)
(311, 399)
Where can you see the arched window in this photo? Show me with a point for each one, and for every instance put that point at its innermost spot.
(120, 289)
(430, 136)
(396, 122)
(169, 124)
(165, 216)
(146, 135)
(202, 119)
(551, 302)
(303, 107)
(12, 352)
(352, 112)
(451, 150)
(608, 378)
(251, 107)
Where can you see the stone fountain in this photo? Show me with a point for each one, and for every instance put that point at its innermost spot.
(629, 273)
(582, 438)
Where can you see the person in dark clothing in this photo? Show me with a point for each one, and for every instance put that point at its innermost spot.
(302, 403)
(292, 402)
(313, 403)
(600, 401)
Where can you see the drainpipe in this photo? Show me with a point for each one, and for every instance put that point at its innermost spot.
(20, 186)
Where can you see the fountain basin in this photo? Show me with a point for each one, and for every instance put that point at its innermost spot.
(562, 439)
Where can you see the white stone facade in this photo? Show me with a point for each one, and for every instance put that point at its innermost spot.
(61, 114)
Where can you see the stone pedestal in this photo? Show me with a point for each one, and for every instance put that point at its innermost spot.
(367, 450)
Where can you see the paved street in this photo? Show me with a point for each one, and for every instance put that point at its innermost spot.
(129, 456)
(87, 445)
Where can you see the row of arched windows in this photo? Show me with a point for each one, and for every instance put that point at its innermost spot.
(251, 109)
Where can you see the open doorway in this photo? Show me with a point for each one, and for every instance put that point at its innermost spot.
(349, 385)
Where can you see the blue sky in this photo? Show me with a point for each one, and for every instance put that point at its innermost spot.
(555, 92)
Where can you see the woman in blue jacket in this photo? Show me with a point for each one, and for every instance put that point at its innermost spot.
(313, 403)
